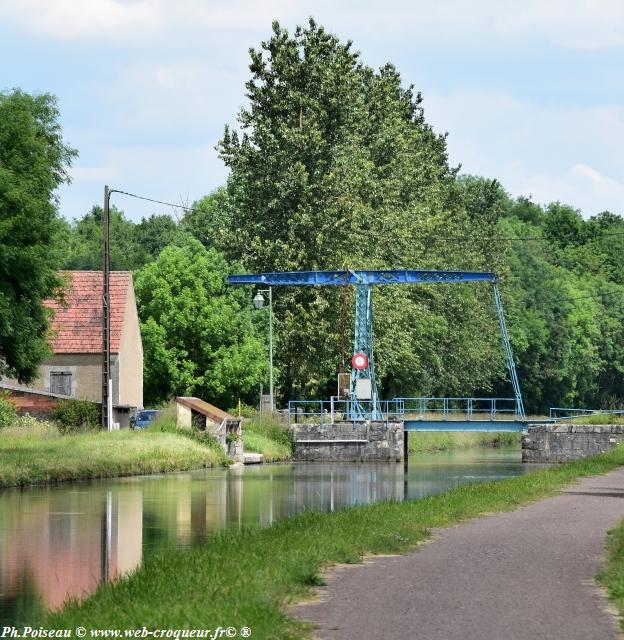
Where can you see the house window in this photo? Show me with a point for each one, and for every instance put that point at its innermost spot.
(61, 382)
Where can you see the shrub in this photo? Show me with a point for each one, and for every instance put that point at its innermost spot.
(8, 412)
(73, 416)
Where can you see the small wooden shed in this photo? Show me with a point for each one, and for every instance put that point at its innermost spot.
(193, 413)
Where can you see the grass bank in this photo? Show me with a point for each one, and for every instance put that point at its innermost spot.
(599, 418)
(40, 454)
(612, 575)
(429, 442)
(268, 436)
(247, 577)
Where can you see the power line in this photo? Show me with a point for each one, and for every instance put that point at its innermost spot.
(468, 236)
(168, 204)
(597, 295)
(462, 238)
(431, 236)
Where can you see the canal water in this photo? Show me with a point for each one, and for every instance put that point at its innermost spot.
(62, 541)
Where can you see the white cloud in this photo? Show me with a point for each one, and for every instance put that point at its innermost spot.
(581, 186)
(578, 24)
(96, 20)
(182, 96)
(553, 152)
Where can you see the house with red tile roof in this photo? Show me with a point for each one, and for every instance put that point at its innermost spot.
(75, 368)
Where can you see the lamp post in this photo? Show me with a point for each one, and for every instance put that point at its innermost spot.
(258, 304)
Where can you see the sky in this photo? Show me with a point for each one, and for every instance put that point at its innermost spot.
(530, 93)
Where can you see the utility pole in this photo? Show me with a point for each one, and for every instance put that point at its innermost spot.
(258, 302)
(106, 390)
(272, 399)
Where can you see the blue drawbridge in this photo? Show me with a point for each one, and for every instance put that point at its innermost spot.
(363, 402)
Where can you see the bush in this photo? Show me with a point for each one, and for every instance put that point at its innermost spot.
(73, 416)
(8, 412)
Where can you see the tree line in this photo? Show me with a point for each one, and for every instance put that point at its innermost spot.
(334, 166)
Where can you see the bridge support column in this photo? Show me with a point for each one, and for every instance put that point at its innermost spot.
(405, 450)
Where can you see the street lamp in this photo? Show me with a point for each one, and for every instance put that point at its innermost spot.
(258, 304)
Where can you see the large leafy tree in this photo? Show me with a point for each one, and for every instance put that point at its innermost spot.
(131, 245)
(565, 294)
(34, 162)
(334, 166)
(197, 332)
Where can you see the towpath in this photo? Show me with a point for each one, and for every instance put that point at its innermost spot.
(524, 575)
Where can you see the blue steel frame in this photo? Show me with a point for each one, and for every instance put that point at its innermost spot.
(420, 414)
(363, 343)
(363, 339)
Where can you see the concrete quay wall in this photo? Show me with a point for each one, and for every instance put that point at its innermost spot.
(368, 441)
(564, 442)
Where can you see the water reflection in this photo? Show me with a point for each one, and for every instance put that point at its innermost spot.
(60, 542)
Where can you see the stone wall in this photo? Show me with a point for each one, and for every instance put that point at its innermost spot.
(348, 441)
(563, 442)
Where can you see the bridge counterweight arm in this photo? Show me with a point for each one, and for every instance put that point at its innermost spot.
(363, 339)
(337, 278)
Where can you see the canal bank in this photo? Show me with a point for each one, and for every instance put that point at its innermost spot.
(246, 577)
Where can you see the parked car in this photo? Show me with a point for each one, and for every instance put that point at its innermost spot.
(144, 418)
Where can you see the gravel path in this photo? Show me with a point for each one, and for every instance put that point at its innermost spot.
(524, 575)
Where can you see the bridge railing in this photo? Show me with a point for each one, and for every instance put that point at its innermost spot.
(335, 410)
(472, 409)
(459, 408)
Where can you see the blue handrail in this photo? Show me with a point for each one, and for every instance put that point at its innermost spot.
(420, 408)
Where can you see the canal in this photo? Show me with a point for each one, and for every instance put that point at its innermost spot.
(62, 541)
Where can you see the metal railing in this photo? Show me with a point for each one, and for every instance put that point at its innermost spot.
(459, 408)
(471, 409)
(334, 410)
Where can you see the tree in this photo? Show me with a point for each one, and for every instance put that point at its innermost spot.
(210, 221)
(197, 332)
(131, 245)
(152, 235)
(84, 243)
(335, 167)
(34, 162)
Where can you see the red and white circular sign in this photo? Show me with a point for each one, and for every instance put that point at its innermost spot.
(359, 361)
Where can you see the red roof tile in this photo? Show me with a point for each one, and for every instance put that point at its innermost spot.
(77, 324)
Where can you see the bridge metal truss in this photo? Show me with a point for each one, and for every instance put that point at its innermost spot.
(363, 338)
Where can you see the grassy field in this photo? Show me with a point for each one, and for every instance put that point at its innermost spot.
(40, 454)
(249, 576)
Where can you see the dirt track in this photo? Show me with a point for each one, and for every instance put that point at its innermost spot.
(524, 575)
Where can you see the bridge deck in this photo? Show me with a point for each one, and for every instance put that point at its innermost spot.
(498, 426)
